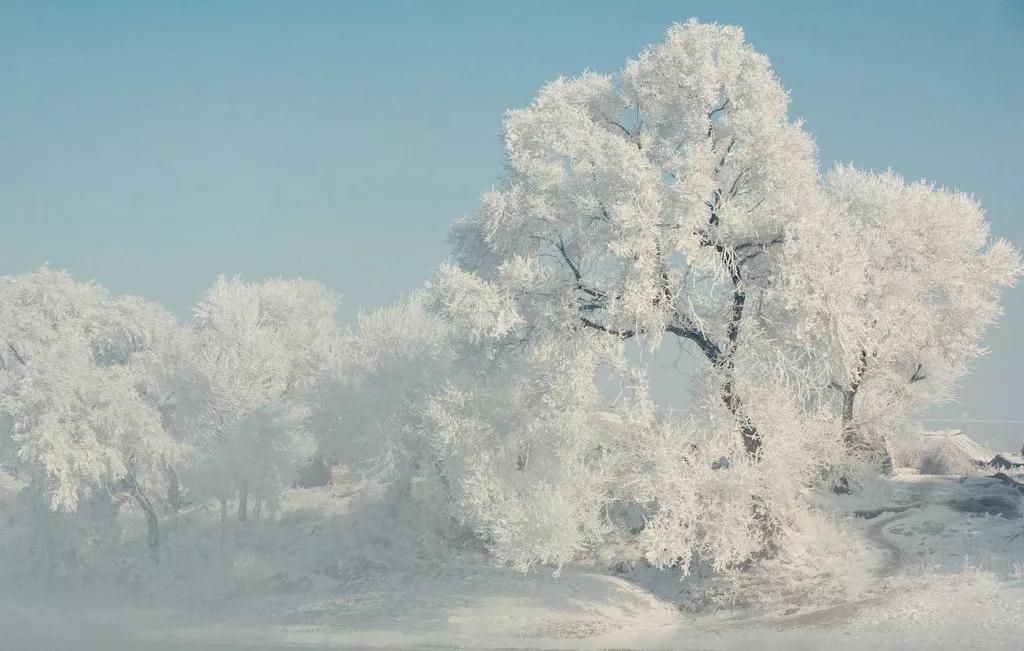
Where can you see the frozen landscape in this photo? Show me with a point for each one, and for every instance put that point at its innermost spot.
(676, 381)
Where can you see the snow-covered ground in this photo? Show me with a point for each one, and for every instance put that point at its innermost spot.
(943, 567)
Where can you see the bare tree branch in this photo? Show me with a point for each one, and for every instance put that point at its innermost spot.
(624, 334)
(624, 129)
(712, 113)
(594, 293)
(710, 349)
(918, 374)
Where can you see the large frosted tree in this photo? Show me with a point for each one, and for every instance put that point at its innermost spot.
(655, 202)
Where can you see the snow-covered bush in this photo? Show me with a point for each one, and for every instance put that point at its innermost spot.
(446, 402)
(944, 457)
(522, 459)
(946, 452)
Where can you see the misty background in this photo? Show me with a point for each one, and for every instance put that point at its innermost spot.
(151, 147)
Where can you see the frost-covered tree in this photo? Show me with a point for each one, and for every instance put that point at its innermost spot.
(392, 360)
(655, 202)
(146, 338)
(517, 434)
(80, 369)
(396, 360)
(485, 431)
(257, 351)
(899, 297)
(530, 451)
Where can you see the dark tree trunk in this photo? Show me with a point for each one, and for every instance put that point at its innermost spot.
(748, 431)
(860, 442)
(722, 357)
(243, 501)
(849, 396)
(174, 499)
(152, 524)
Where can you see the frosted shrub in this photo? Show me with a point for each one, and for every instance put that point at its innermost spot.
(943, 457)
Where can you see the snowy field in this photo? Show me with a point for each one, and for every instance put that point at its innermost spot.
(943, 567)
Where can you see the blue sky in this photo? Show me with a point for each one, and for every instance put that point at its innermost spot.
(152, 145)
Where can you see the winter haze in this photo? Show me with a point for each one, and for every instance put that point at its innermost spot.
(511, 325)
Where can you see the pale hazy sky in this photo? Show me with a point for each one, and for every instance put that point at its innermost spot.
(151, 146)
